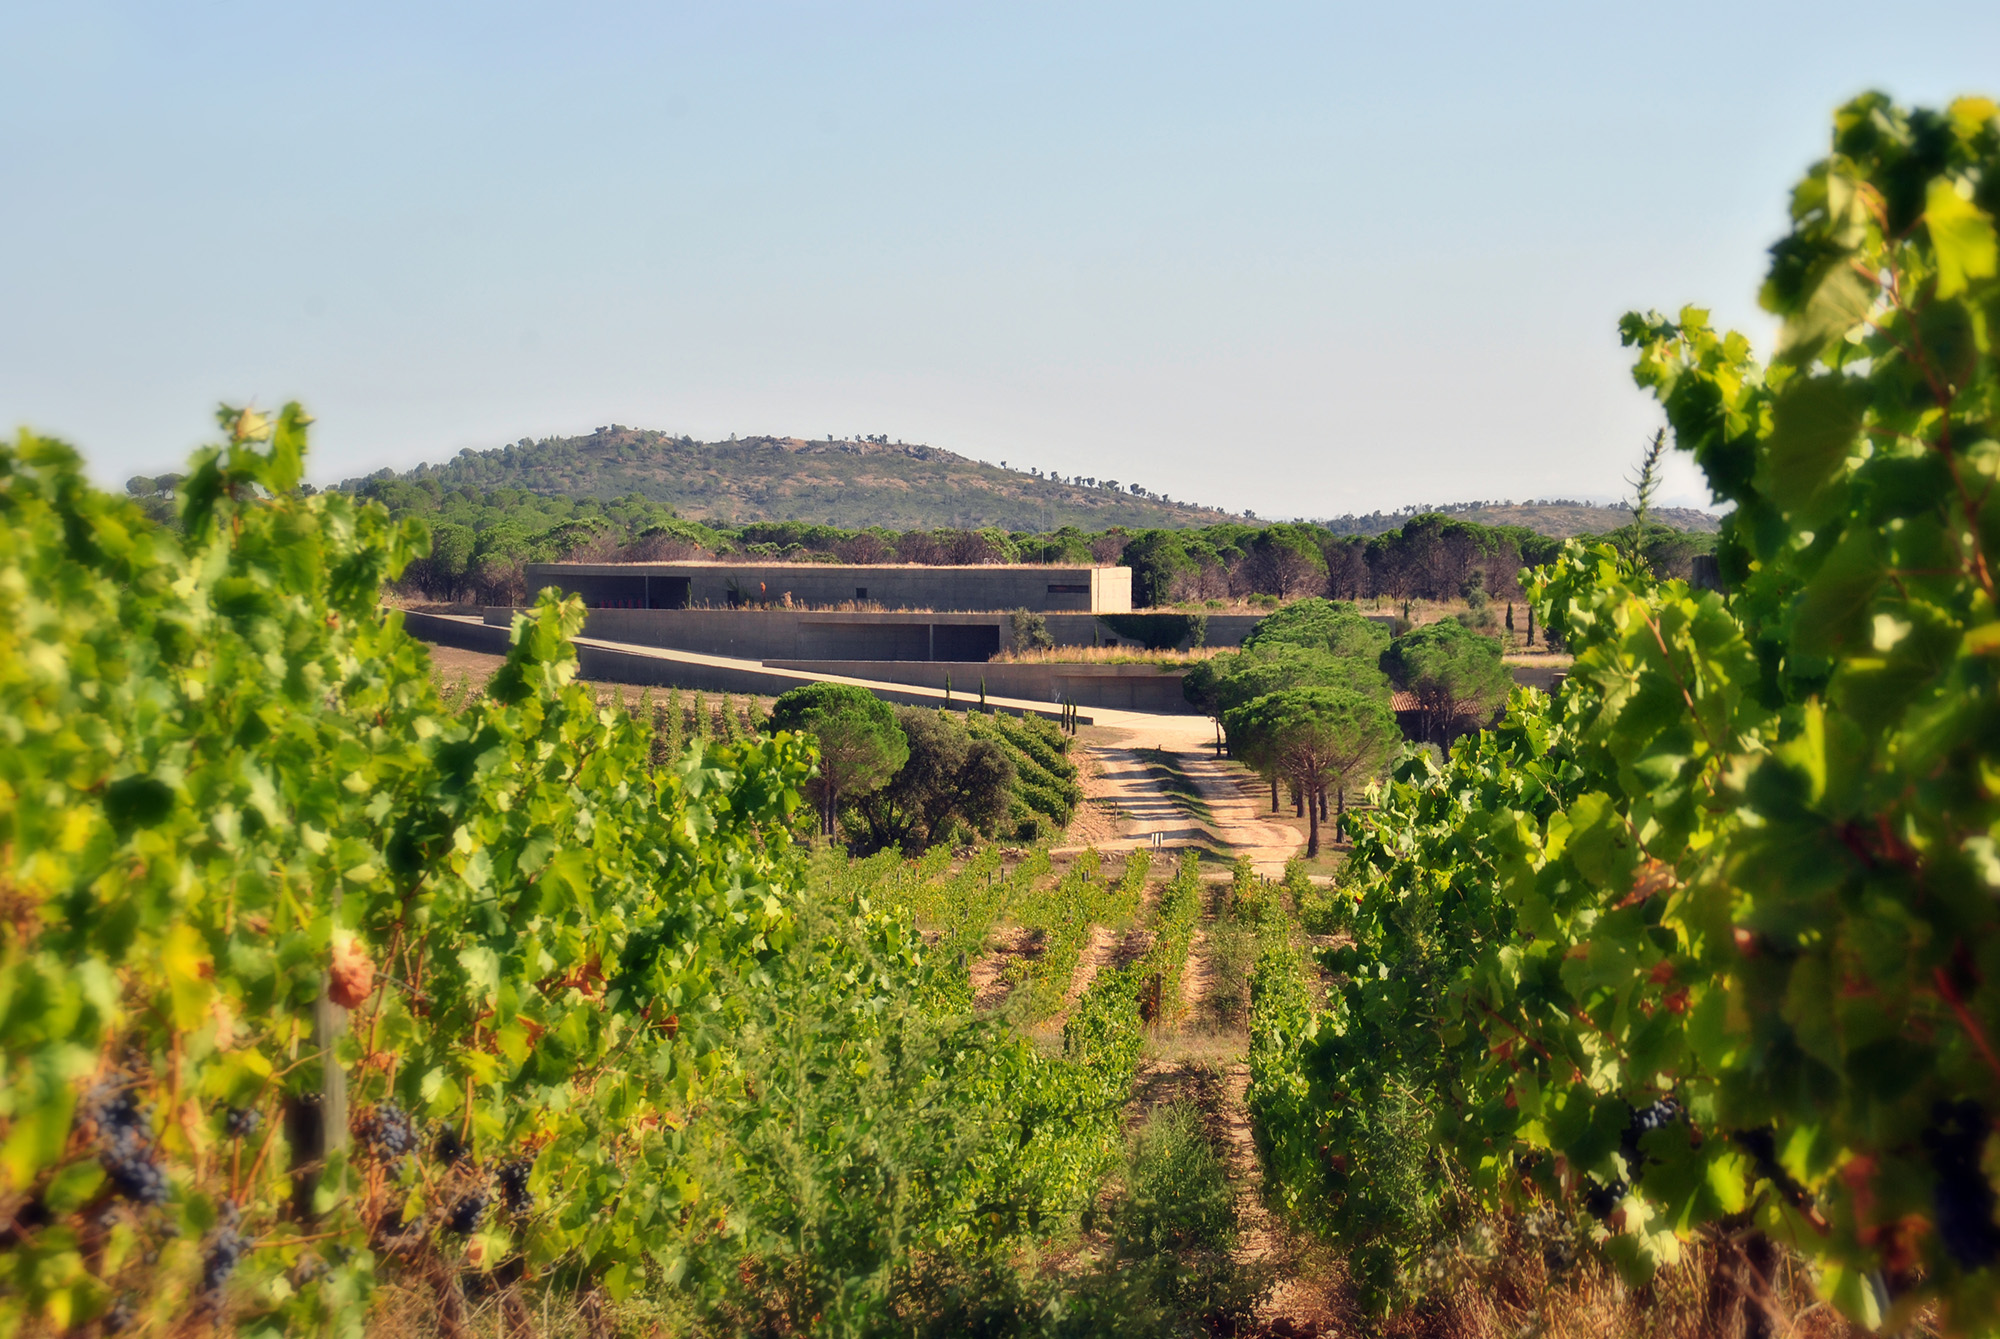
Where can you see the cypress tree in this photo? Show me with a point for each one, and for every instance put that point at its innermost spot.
(648, 716)
(676, 727)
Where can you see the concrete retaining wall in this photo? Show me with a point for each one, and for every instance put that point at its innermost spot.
(1547, 676)
(1121, 687)
(794, 634)
(1117, 687)
(442, 631)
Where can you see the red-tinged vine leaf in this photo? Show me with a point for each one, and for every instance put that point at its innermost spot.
(1652, 878)
(351, 978)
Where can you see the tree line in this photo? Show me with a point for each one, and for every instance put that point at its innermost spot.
(483, 539)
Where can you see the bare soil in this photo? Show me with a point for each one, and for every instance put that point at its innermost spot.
(992, 979)
(1095, 957)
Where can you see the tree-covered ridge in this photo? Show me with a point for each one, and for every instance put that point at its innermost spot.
(864, 484)
(482, 540)
(850, 483)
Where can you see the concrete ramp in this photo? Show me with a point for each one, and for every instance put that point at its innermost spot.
(659, 667)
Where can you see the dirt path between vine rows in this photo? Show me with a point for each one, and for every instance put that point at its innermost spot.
(1179, 796)
(1238, 801)
(1125, 805)
(1103, 947)
(1197, 973)
(1205, 1061)
(1106, 948)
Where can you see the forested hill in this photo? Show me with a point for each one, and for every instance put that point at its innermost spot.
(842, 483)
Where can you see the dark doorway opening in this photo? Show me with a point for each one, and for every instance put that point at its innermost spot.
(964, 641)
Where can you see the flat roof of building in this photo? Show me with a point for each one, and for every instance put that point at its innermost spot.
(609, 569)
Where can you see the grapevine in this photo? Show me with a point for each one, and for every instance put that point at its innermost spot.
(1703, 946)
(234, 804)
(230, 778)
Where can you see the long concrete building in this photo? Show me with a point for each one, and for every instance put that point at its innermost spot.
(899, 586)
(758, 633)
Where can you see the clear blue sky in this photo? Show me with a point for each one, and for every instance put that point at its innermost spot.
(1303, 259)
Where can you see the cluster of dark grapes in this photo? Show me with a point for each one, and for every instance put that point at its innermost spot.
(390, 1134)
(1961, 1197)
(513, 1178)
(1647, 1119)
(120, 1316)
(225, 1248)
(450, 1149)
(127, 1150)
(243, 1121)
(1643, 1121)
(1602, 1198)
(465, 1215)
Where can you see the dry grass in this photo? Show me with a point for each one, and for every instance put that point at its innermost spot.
(1495, 1284)
(406, 1310)
(1105, 655)
(423, 604)
(1499, 1281)
(462, 674)
(450, 666)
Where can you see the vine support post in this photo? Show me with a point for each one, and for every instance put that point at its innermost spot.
(329, 1026)
(315, 1131)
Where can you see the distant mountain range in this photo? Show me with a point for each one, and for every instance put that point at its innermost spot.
(874, 482)
(852, 484)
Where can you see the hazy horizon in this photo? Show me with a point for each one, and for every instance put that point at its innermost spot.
(1292, 259)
